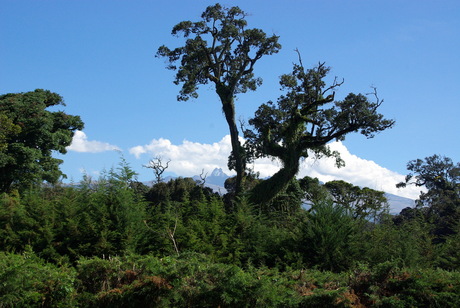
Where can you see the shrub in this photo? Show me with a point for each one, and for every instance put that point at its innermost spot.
(28, 281)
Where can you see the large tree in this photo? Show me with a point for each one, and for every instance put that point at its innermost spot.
(303, 121)
(220, 49)
(34, 133)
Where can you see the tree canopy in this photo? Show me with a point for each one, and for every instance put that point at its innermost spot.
(32, 134)
(222, 50)
(435, 172)
(362, 202)
(441, 177)
(303, 121)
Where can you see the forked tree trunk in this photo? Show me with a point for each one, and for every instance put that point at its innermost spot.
(268, 189)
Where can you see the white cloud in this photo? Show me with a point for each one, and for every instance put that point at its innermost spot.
(80, 143)
(190, 158)
(358, 171)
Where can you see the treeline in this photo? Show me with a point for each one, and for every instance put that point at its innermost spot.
(115, 242)
(116, 215)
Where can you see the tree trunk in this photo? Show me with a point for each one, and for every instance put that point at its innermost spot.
(266, 190)
(228, 107)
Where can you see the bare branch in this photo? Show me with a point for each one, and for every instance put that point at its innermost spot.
(334, 85)
(378, 101)
(171, 236)
(170, 233)
(156, 164)
(299, 56)
(202, 180)
(242, 124)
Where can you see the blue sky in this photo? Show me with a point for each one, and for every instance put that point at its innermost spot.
(99, 55)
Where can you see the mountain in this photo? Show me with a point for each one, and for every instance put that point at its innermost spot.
(216, 178)
(398, 203)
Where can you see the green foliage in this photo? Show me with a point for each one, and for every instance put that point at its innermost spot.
(442, 200)
(435, 172)
(177, 190)
(7, 130)
(29, 220)
(328, 237)
(389, 285)
(115, 242)
(362, 202)
(189, 281)
(449, 253)
(220, 49)
(288, 202)
(303, 121)
(313, 191)
(193, 280)
(98, 218)
(262, 239)
(185, 216)
(27, 281)
(12, 215)
(107, 218)
(110, 217)
(184, 249)
(32, 134)
(409, 244)
(206, 228)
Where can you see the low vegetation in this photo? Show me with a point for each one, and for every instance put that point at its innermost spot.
(117, 243)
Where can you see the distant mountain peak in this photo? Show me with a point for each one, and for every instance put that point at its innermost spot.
(217, 177)
(218, 172)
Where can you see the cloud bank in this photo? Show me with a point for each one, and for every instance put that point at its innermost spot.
(80, 143)
(358, 171)
(190, 158)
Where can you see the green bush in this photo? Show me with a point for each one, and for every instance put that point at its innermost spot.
(409, 243)
(389, 285)
(191, 280)
(28, 281)
(329, 237)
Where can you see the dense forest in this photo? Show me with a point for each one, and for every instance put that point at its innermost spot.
(277, 242)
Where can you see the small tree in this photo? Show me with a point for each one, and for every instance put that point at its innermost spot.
(362, 202)
(328, 237)
(313, 190)
(220, 49)
(303, 121)
(158, 167)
